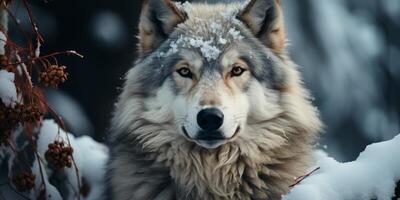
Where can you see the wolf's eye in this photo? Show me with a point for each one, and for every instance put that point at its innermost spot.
(185, 72)
(237, 70)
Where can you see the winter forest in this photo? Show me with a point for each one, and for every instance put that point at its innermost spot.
(62, 65)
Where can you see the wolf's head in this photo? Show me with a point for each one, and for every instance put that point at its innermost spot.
(212, 74)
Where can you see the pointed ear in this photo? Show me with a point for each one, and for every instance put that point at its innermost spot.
(158, 19)
(265, 19)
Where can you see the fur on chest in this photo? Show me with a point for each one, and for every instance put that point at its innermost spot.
(229, 172)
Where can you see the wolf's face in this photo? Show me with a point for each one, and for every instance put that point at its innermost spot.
(217, 75)
(211, 101)
(211, 72)
(213, 97)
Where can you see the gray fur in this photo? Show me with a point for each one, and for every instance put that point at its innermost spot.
(152, 159)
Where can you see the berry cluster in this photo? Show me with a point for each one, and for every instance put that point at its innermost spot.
(20, 113)
(58, 155)
(27, 113)
(53, 75)
(24, 181)
(6, 115)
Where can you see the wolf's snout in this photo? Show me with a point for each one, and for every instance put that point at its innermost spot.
(210, 119)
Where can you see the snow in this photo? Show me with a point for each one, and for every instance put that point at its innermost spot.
(215, 27)
(373, 175)
(208, 47)
(3, 42)
(186, 6)
(222, 40)
(8, 91)
(90, 157)
(209, 35)
(235, 34)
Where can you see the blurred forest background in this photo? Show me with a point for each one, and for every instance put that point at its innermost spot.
(348, 51)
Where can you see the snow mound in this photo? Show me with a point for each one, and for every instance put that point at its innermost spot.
(372, 176)
(8, 92)
(90, 157)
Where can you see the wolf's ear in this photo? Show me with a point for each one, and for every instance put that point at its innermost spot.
(158, 19)
(265, 19)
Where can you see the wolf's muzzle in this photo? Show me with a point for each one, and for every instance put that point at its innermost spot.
(210, 119)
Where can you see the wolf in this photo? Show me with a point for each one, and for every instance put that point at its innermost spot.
(214, 108)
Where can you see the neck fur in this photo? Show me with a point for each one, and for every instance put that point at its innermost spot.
(244, 168)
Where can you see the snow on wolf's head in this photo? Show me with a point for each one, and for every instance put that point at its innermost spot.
(212, 74)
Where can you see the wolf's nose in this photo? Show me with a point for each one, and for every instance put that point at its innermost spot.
(210, 119)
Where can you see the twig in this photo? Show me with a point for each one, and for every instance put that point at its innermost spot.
(73, 188)
(39, 37)
(301, 178)
(23, 66)
(40, 168)
(48, 56)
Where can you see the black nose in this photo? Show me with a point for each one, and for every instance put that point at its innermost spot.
(210, 119)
